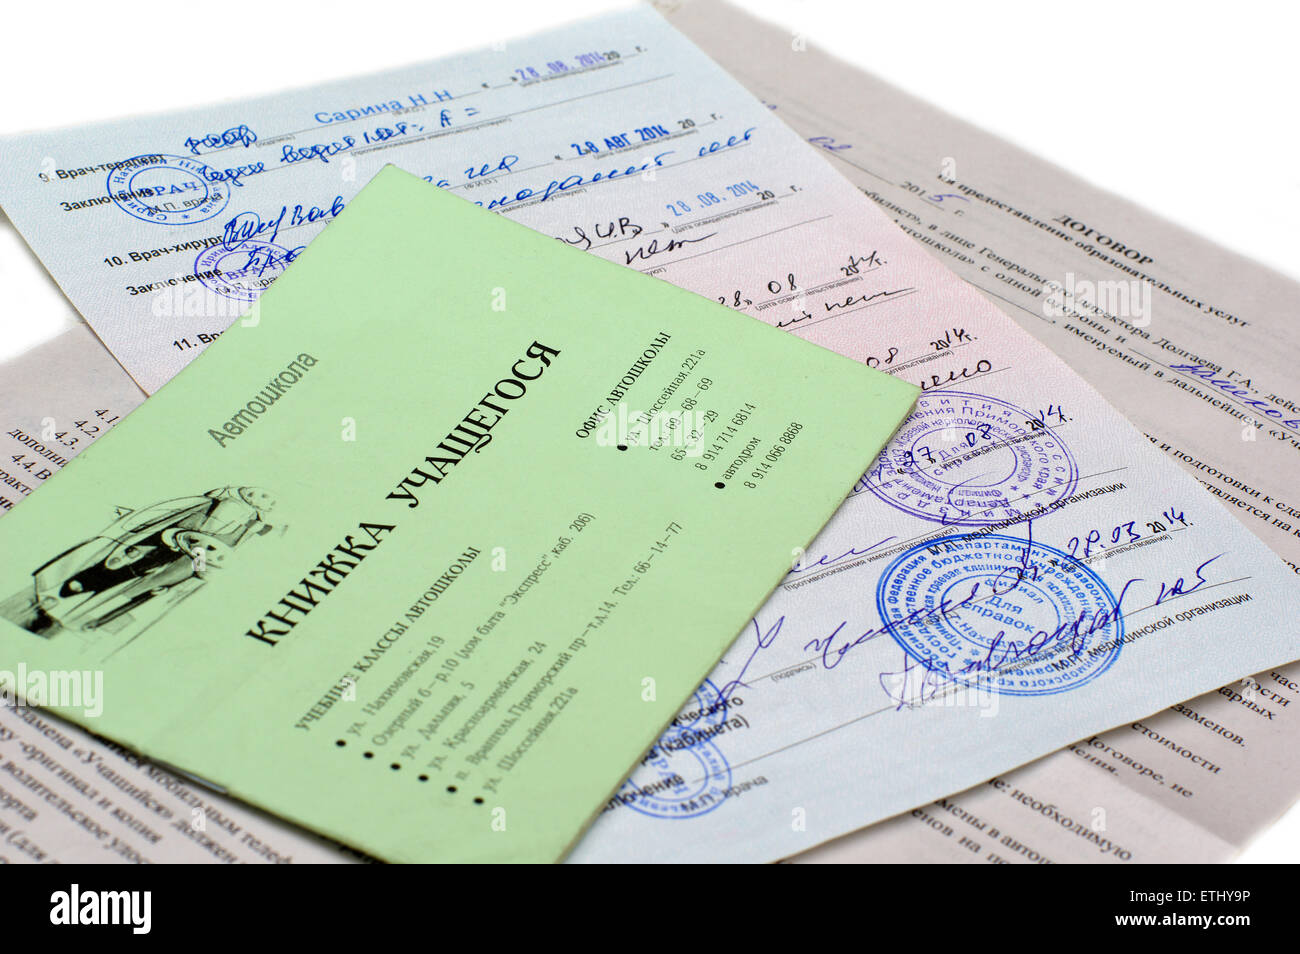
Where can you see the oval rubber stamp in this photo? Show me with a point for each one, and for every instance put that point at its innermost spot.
(969, 460)
(697, 774)
(169, 190)
(242, 273)
(1001, 614)
(705, 707)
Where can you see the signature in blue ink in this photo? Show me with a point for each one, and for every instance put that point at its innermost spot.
(961, 513)
(934, 675)
(1006, 581)
(915, 684)
(233, 174)
(718, 145)
(624, 227)
(485, 170)
(762, 640)
(262, 258)
(558, 186)
(825, 646)
(503, 165)
(239, 135)
(250, 225)
(324, 151)
(1238, 390)
(828, 560)
(1180, 588)
(828, 143)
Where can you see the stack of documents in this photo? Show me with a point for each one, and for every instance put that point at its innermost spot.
(490, 525)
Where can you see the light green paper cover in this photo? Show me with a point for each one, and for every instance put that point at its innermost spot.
(434, 654)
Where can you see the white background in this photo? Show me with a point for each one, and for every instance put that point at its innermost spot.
(1185, 108)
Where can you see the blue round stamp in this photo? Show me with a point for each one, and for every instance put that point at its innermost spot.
(1001, 614)
(706, 707)
(170, 190)
(685, 776)
(970, 460)
(244, 271)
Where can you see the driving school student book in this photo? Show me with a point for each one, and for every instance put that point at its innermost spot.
(426, 550)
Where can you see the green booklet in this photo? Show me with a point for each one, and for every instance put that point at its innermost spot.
(425, 551)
